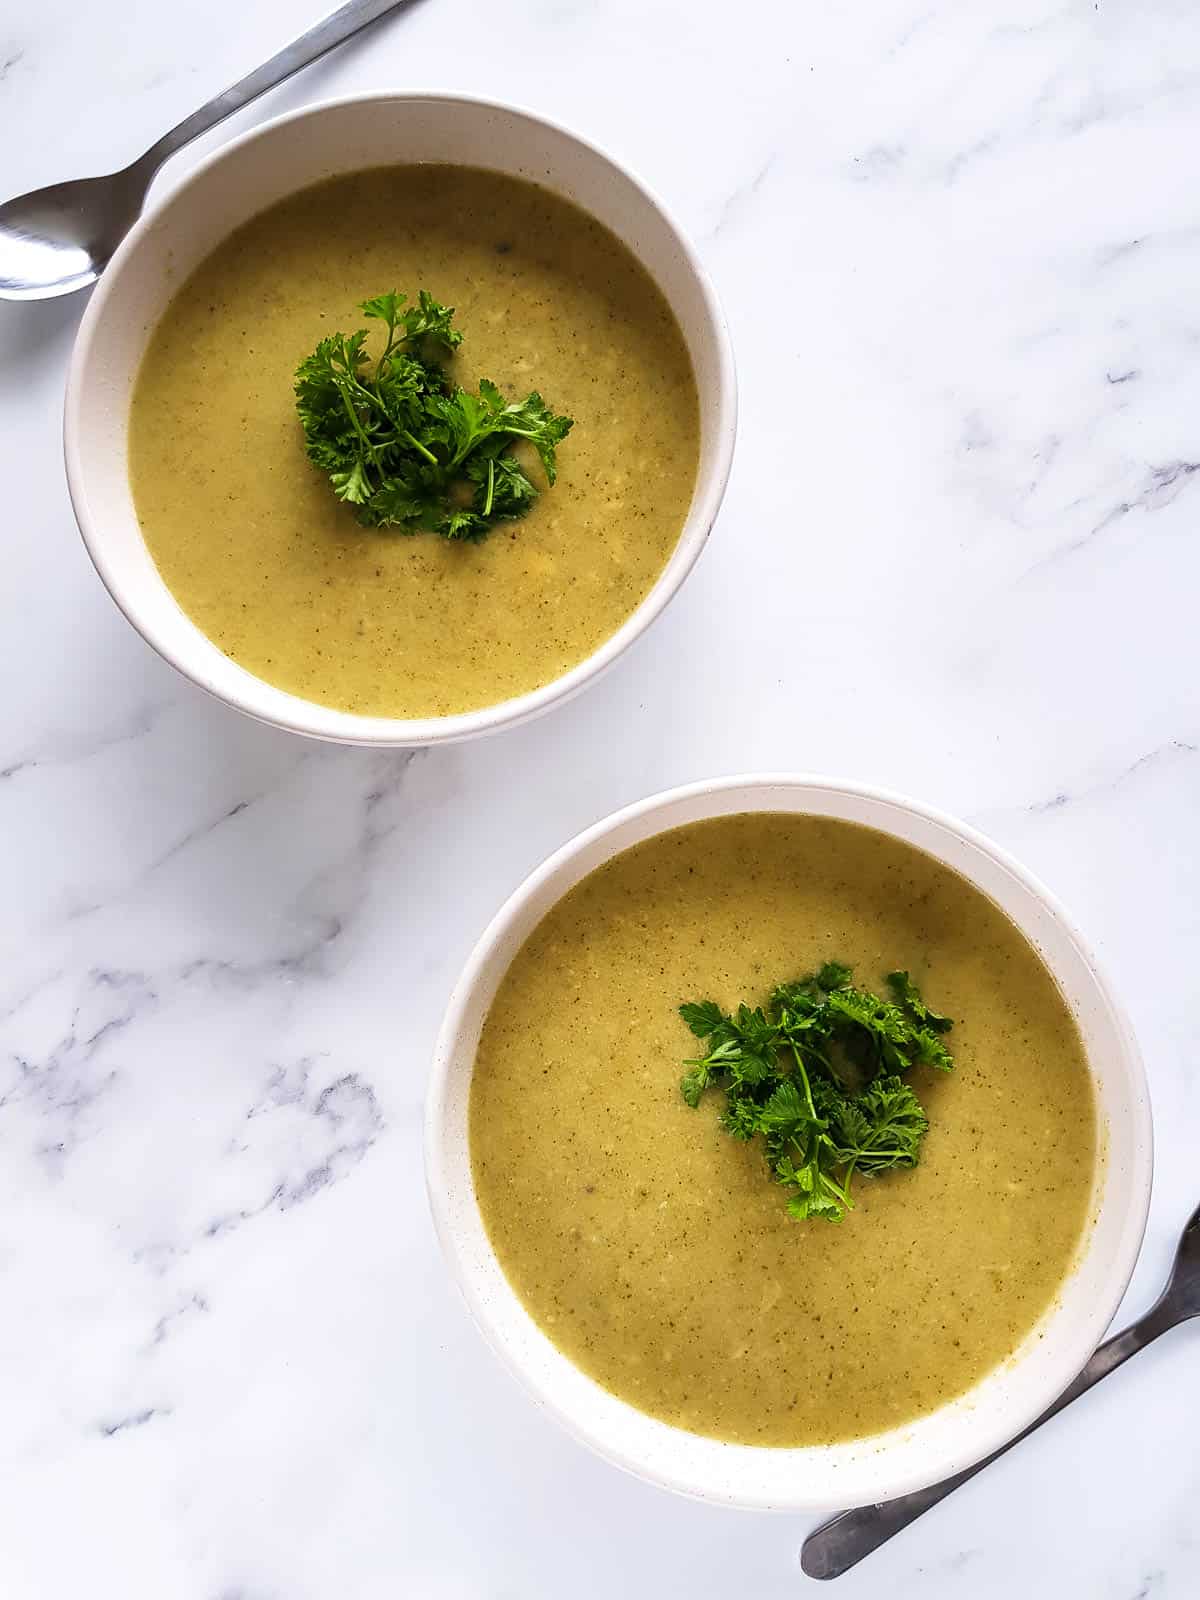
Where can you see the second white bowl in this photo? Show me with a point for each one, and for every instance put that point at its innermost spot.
(820, 1478)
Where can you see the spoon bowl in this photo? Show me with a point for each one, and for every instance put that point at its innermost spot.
(56, 240)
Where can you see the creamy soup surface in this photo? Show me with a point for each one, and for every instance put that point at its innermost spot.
(247, 534)
(654, 1250)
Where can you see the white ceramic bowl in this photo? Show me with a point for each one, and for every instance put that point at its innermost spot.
(878, 1468)
(252, 173)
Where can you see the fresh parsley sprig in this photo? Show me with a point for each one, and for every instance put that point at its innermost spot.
(818, 1073)
(406, 446)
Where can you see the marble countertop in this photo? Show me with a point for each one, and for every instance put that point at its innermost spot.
(960, 250)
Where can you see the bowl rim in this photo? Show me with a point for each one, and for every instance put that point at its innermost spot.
(991, 1434)
(295, 714)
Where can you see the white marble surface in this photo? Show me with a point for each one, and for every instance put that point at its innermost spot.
(960, 250)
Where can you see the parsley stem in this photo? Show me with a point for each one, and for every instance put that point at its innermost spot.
(812, 1110)
(358, 428)
(491, 488)
(392, 342)
(418, 446)
(402, 433)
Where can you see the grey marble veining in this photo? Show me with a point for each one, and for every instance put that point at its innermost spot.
(959, 249)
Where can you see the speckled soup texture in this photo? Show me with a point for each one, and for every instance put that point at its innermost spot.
(653, 1249)
(248, 535)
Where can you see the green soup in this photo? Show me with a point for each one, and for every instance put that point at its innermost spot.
(247, 534)
(653, 1249)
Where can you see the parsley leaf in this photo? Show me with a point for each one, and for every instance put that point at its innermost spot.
(703, 1018)
(403, 443)
(818, 1075)
(833, 975)
(908, 995)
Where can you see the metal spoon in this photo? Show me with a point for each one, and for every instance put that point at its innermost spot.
(61, 238)
(842, 1542)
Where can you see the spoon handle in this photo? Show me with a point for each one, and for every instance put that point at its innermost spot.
(309, 47)
(843, 1541)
